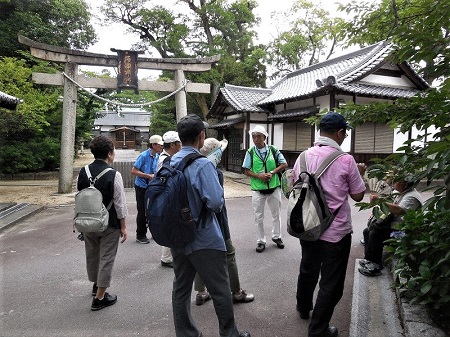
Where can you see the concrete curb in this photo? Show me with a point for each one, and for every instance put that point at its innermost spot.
(373, 306)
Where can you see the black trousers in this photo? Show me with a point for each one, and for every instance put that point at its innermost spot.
(329, 261)
(211, 265)
(141, 223)
(374, 238)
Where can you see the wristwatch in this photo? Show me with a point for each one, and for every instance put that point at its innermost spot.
(271, 172)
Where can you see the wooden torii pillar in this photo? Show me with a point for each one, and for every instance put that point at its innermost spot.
(73, 58)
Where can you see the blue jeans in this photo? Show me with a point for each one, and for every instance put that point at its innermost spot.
(329, 260)
(211, 265)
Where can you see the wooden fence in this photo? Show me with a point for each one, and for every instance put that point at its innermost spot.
(125, 170)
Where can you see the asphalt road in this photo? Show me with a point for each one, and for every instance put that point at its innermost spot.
(45, 291)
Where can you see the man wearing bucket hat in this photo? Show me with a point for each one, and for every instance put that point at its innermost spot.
(206, 255)
(328, 256)
(144, 168)
(172, 144)
(213, 150)
(406, 197)
(262, 162)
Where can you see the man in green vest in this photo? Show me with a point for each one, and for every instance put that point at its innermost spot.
(262, 162)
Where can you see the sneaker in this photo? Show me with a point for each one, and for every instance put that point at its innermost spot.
(260, 247)
(363, 263)
(143, 240)
(202, 298)
(279, 243)
(362, 241)
(94, 289)
(103, 303)
(167, 264)
(243, 297)
(244, 334)
(370, 269)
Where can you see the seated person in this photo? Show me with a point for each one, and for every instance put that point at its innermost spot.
(406, 198)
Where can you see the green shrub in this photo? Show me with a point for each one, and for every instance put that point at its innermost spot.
(21, 157)
(423, 258)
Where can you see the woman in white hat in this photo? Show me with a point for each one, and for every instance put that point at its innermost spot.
(213, 150)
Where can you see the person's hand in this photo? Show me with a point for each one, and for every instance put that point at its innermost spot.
(123, 234)
(373, 196)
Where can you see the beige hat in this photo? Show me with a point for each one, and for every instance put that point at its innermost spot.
(259, 129)
(170, 137)
(213, 149)
(156, 139)
(211, 144)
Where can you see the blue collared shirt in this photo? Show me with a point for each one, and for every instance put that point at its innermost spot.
(146, 162)
(203, 189)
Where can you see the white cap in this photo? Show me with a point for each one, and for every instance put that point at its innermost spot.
(156, 139)
(171, 137)
(213, 149)
(259, 129)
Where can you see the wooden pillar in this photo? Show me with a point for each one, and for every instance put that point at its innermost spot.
(180, 97)
(68, 129)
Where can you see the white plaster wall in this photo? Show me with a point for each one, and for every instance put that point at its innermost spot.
(277, 137)
(386, 81)
(400, 138)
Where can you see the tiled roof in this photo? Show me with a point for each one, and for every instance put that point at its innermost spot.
(340, 74)
(337, 73)
(8, 101)
(227, 122)
(243, 99)
(126, 118)
(300, 112)
(377, 90)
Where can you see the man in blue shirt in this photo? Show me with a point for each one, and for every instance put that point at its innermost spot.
(206, 255)
(144, 168)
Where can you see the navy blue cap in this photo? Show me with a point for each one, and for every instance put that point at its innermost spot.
(333, 121)
(190, 126)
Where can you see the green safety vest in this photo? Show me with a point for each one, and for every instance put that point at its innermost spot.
(263, 165)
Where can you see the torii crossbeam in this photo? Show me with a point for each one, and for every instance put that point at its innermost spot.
(73, 58)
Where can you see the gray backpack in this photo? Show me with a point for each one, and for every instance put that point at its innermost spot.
(308, 213)
(91, 215)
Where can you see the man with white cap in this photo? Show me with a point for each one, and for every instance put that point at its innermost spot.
(172, 144)
(262, 162)
(144, 168)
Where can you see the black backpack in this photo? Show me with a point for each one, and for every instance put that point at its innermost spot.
(168, 214)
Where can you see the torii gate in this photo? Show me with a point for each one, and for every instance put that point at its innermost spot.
(73, 58)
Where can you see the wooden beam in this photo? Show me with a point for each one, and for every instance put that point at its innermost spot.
(63, 55)
(111, 83)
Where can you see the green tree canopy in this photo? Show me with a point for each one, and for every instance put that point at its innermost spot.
(309, 34)
(202, 28)
(63, 23)
(420, 31)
